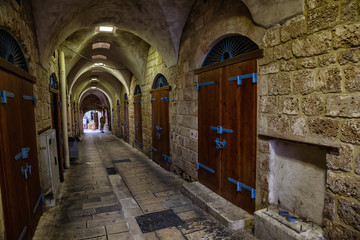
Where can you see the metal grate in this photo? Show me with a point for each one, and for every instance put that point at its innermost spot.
(137, 90)
(160, 82)
(230, 47)
(11, 51)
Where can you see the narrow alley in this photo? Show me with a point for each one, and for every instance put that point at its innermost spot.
(98, 201)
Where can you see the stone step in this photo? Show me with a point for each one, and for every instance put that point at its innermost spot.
(221, 209)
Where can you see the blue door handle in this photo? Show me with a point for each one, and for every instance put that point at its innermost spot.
(158, 135)
(24, 172)
(28, 166)
(220, 144)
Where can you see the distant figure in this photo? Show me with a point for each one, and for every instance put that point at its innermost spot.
(102, 123)
(85, 122)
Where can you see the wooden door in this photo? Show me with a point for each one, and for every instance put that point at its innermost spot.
(160, 127)
(118, 124)
(209, 109)
(96, 120)
(13, 182)
(56, 124)
(138, 122)
(234, 135)
(126, 122)
(29, 141)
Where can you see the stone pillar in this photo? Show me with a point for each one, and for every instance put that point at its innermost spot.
(64, 108)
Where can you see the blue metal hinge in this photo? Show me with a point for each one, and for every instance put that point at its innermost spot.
(22, 235)
(153, 99)
(153, 149)
(253, 76)
(165, 99)
(30, 98)
(52, 104)
(221, 130)
(41, 199)
(204, 167)
(240, 185)
(167, 158)
(139, 102)
(204, 84)
(4, 95)
(23, 154)
(219, 144)
(137, 125)
(141, 145)
(158, 128)
(60, 104)
(134, 102)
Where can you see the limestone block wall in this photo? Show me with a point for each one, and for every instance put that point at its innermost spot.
(309, 91)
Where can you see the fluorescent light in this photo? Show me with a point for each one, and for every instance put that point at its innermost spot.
(93, 87)
(101, 45)
(94, 79)
(98, 64)
(106, 29)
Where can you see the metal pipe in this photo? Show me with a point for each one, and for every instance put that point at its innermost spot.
(64, 108)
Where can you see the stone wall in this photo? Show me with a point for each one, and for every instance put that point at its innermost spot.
(309, 91)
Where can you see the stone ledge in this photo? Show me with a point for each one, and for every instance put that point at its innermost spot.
(221, 209)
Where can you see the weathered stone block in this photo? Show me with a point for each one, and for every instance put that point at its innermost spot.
(323, 17)
(288, 105)
(324, 127)
(343, 184)
(299, 126)
(315, 3)
(349, 56)
(349, 213)
(268, 56)
(350, 132)
(342, 162)
(279, 84)
(329, 206)
(329, 80)
(263, 160)
(263, 146)
(317, 43)
(343, 106)
(270, 68)
(272, 36)
(352, 78)
(283, 51)
(267, 104)
(288, 65)
(357, 165)
(336, 231)
(313, 105)
(347, 35)
(327, 59)
(304, 82)
(306, 63)
(293, 28)
(262, 84)
(348, 10)
(279, 124)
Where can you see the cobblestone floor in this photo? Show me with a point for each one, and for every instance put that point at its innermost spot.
(95, 205)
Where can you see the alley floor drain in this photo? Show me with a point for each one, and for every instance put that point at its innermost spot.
(111, 171)
(158, 220)
(121, 161)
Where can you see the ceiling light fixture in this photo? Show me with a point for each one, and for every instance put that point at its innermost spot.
(106, 28)
(93, 87)
(98, 64)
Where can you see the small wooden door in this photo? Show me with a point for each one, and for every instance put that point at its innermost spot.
(227, 132)
(138, 122)
(160, 127)
(118, 123)
(126, 122)
(96, 120)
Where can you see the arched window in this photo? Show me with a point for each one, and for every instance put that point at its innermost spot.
(230, 47)
(160, 81)
(11, 51)
(137, 90)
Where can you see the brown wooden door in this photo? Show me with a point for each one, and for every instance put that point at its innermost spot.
(29, 141)
(13, 182)
(138, 122)
(126, 122)
(118, 129)
(160, 127)
(233, 106)
(56, 124)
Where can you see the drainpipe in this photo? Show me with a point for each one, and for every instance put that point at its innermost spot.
(64, 108)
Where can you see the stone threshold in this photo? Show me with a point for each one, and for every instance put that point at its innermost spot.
(221, 209)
